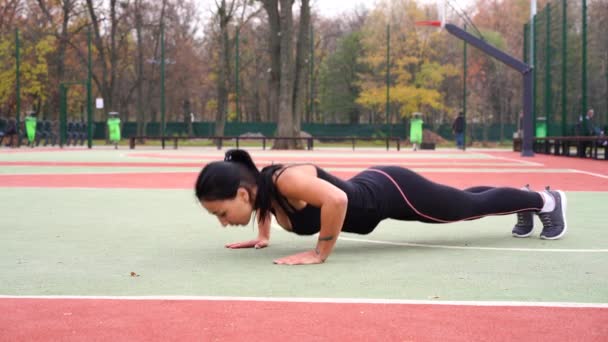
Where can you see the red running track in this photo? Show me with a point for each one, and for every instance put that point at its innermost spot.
(200, 320)
(185, 180)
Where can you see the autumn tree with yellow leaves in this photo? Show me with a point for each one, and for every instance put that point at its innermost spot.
(416, 71)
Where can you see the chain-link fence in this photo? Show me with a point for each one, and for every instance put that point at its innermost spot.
(570, 57)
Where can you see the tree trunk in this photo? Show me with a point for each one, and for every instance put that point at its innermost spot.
(301, 76)
(63, 38)
(141, 118)
(101, 51)
(225, 15)
(274, 40)
(285, 121)
(151, 84)
(113, 56)
(186, 110)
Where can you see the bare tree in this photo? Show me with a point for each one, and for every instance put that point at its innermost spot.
(63, 37)
(274, 39)
(225, 13)
(8, 14)
(107, 80)
(153, 84)
(285, 120)
(138, 9)
(301, 76)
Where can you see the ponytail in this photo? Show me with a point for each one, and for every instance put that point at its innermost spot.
(243, 158)
(267, 190)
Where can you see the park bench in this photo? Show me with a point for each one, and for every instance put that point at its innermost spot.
(584, 146)
(219, 140)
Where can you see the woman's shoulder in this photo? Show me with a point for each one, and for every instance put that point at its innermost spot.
(284, 176)
(281, 168)
(299, 169)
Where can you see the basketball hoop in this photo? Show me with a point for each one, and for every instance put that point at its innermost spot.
(436, 23)
(441, 7)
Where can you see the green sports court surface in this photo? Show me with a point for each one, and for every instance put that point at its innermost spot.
(112, 244)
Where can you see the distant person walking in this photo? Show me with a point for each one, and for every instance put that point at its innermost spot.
(458, 130)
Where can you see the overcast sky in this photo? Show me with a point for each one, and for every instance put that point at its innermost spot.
(333, 8)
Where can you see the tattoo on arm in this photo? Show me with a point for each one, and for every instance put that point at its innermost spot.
(323, 239)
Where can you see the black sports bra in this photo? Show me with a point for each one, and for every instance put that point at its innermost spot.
(361, 216)
(305, 221)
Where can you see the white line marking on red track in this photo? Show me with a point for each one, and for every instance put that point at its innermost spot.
(590, 173)
(322, 300)
(525, 162)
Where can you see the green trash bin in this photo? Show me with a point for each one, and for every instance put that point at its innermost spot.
(541, 127)
(30, 129)
(114, 128)
(416, 130)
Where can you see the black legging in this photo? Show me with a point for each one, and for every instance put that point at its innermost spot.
(415, 198)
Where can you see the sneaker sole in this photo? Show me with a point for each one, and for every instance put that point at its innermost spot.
(523, 235)
(564, 206)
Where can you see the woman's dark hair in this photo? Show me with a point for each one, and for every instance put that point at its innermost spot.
(220, 180)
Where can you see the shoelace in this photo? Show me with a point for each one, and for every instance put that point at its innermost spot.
(520, 219)
(546, 220)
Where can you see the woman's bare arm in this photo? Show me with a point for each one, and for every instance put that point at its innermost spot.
(262, 239)
(301, 183)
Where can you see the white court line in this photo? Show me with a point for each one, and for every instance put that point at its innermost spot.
(480, 248)
(510, 249)
(194, 170)
(514, 160)
(399, 162)
(371, 155)
(262, 162)
(323, 300)
(589, 173)
(93, 172)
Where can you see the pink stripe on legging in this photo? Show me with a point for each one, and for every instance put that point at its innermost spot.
(433, 218)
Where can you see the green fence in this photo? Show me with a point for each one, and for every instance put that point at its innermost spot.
(268, 129)
(570, 56)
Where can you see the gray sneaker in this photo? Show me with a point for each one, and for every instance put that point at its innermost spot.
(525, 222)
(554, 222)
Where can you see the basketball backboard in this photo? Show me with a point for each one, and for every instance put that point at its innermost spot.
(439, 21)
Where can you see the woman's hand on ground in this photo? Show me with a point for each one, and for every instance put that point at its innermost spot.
(305, 258)
(257, 243)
